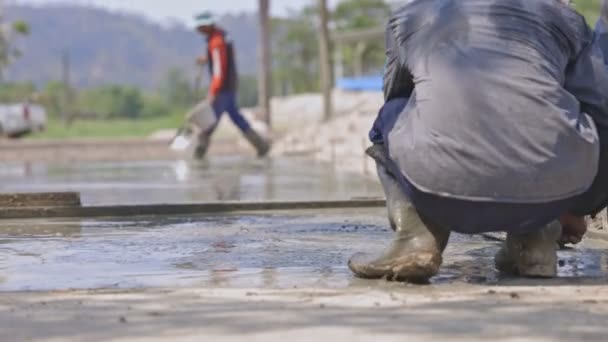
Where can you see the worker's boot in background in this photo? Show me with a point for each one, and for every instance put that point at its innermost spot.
(532, 254)
(260, 144)
(202, 146)
(416, 252)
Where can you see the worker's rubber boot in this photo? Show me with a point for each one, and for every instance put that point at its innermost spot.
(203, 145)
(260, 144)
(416, 252)
(532, 254)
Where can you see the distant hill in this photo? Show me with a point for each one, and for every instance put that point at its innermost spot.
(108, 47)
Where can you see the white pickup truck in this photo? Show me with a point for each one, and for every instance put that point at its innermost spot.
(19, 119)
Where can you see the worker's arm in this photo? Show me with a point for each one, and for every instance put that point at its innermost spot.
(202, 60)
(219, 57)
(587, 80)
(398, 81)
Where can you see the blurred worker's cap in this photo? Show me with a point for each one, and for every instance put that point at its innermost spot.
(204, 19)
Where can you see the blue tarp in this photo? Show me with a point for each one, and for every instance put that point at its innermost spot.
(373, 83)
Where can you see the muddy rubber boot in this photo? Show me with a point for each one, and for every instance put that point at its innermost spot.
(531, 255)
(260, 144)
(416, 252)
(203, 145)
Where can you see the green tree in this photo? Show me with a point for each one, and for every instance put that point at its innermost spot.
(112, 102)
(296, 57)
(357, 14)
(296, 68)
(8, 33)
(16, 92)
(363, 57)
(53, 98)
(154, 106)
(179, 91)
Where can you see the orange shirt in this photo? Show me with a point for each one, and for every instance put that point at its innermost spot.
(218, 61)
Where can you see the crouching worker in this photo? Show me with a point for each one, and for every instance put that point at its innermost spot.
(493, 119)
(222, 90)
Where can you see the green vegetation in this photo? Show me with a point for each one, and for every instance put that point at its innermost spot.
(296, 47)
(357, 15)
(296, 53)
(7, 36)
(115, 110)
(110, 128)
(590, 9)
(105, 111)
(16, 92)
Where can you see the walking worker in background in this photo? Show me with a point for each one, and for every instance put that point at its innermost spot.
(495, 119)
(220, 59)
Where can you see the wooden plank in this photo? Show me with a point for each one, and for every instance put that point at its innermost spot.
(44, 199)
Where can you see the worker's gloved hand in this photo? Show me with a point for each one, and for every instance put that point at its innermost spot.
(574, 229)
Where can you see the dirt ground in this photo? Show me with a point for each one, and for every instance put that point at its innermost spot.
(372, 313)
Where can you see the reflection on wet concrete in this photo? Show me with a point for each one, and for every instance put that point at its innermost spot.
(594, 264)
(25, 229)
(221, 178)
(268, 250)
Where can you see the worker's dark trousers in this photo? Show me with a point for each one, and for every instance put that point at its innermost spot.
(472, 217)
(225, 102)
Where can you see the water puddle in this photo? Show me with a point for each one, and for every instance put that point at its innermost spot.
(271, 250)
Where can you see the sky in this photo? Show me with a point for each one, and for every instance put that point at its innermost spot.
(182, 10)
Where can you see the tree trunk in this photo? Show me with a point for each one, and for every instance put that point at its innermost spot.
(67, 115)
(325, 59)
(264, 60)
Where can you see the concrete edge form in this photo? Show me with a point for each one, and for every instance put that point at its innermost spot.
(179, 209)
(18, 213)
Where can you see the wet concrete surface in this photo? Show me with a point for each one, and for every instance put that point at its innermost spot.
(279, 250)
(179, 181)
(267, 276)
